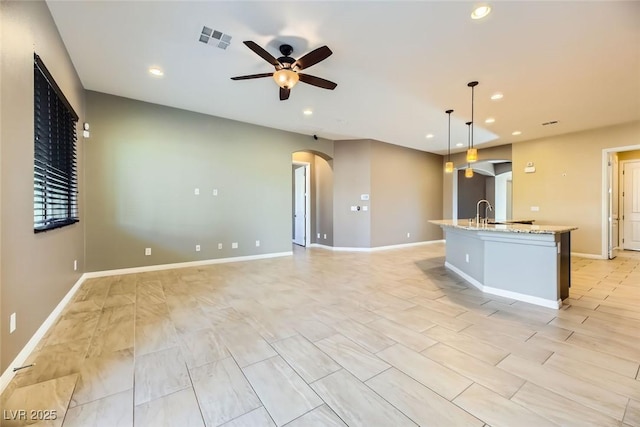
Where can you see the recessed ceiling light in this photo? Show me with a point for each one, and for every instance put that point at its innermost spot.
(429, 136)
(459, 144)
(490, 120)
(156, 71)
(307, 112)
(497, 96)
(516, 133)
(480, 11)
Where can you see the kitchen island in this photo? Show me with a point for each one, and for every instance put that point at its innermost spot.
(525, 262)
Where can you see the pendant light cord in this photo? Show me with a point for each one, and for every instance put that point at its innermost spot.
(449, 138)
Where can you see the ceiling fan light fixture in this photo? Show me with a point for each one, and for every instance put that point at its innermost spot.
(286, 78)
(480, 11)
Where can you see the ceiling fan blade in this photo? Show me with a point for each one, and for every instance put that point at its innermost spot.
(284, 94)
(313, 57)
(317, 81)
(262, 53)
(252, 76)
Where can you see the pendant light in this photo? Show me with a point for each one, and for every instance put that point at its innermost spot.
(448, 167)
(468, 172)
(472, 153)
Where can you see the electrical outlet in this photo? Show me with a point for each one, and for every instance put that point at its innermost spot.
(466, 257)
(197, 248)
(318, 235)
(408, 235)
(234, 245)
(12, 323)
(257, 243)
(325, 236)
(215, 191)
(196, 192)
(219, 245)
(75, 265)
(147, 251)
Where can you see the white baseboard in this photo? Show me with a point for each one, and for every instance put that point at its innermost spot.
(504, 293)
(590, 256)
(159, 267)
(375, 248)
(21, 358)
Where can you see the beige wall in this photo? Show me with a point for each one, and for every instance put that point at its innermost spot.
(144, 162)
(36, 269)
(567, 184)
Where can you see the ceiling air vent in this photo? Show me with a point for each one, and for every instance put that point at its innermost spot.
(215, 38)
(552, 122)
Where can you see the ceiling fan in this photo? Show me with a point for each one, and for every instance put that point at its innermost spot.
(287, 68)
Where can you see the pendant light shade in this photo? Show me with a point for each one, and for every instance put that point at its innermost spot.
(468, 172)
(472, 153)
(448, 167)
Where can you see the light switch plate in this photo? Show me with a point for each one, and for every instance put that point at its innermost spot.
(12, 323)
(196, 191)
(234, 245)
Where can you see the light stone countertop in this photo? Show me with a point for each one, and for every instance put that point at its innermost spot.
(464, 224)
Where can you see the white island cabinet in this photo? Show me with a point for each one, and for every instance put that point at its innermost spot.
(526, 262)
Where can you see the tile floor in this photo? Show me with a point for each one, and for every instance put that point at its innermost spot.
(385, 339)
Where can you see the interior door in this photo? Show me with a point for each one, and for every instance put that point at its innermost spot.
(631, 205)
(299, 206)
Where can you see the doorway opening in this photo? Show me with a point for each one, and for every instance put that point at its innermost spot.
(620, 192)
(301, 209)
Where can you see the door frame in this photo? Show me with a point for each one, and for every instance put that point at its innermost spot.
(307, 198)
(621, 222)
(606, 186)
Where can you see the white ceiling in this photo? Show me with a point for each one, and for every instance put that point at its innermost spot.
(398, 65)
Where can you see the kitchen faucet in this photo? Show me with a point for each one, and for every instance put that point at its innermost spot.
(488, 208)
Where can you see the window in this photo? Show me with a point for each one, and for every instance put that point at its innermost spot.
(55, 180)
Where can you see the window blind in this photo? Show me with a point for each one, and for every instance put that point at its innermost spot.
(55, 190)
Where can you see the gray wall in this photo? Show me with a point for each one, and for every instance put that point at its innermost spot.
(470, 191)
(36, 269)
(351, 178)
(406, 192)
(144, 162)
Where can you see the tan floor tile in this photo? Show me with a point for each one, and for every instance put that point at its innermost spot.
(256, 418)
(246, 345)
(357, 404)
(305, 358)
(322, 416)
(176, 409)
(632, 414)
(159, 374)
(112, 411)
(202, 347)
(283, 393)
(497, 411)
(418, 402)
(369, 339)
(444, 381)
(45, 402)
(478, 349)
(222, 391)
(570, 387)
(559, 409)
(495, 379)
(352, 357)
(403, 335)
(103, 376)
